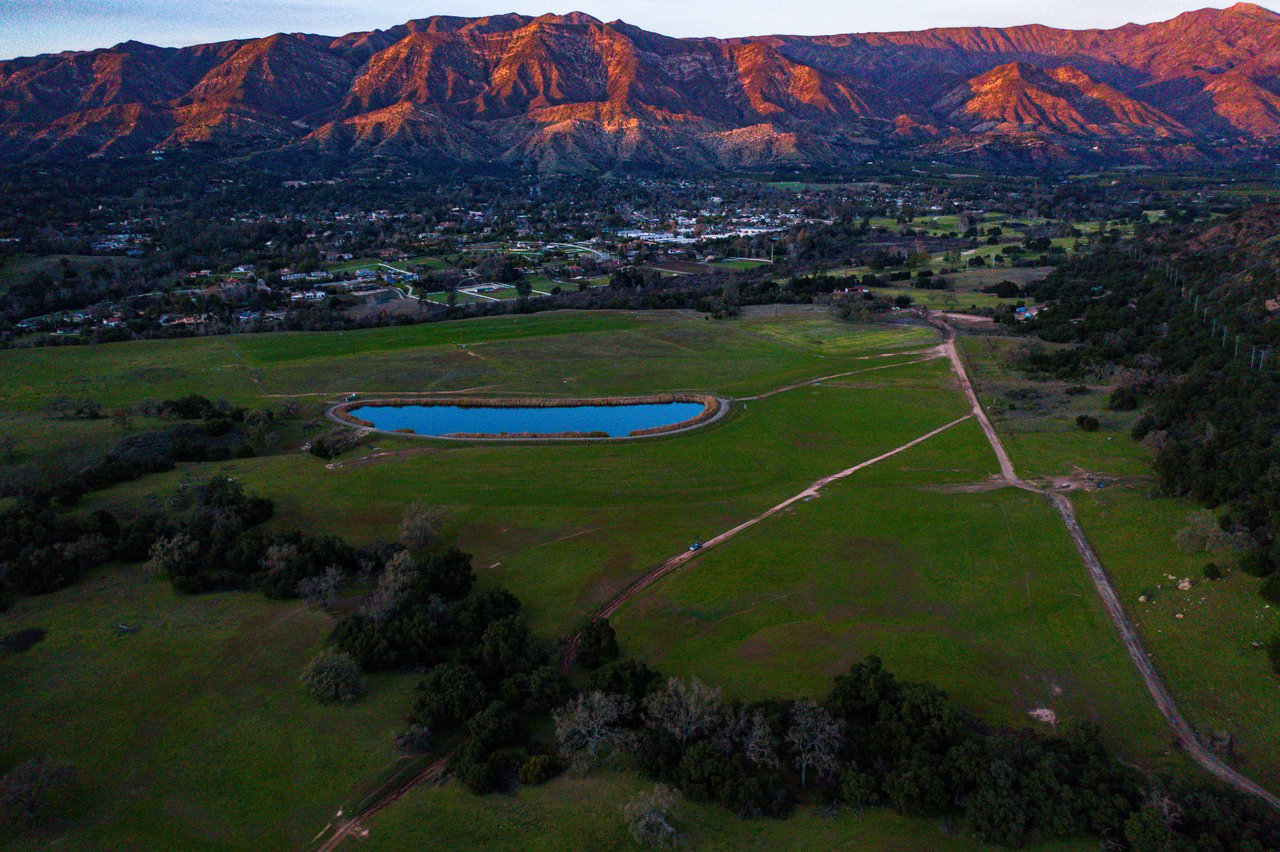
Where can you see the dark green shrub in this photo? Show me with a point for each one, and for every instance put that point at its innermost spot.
(598, 644)
(416, 740)
(1258, 563)
(1270, 590)
(1123, 398)
(22, 640)
(540, 769)
(334, 676)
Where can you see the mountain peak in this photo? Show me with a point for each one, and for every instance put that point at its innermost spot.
(566, 88)
(569, 18)
(1253, 10)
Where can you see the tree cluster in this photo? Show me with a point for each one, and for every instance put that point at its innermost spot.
(880, 741)
(1207, 397)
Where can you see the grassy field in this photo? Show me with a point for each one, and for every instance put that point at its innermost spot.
(615, 508)
(204, 696)
(1207, 641)
(742, 263)
(1208, 656)
(980, 592)
(192, 732)
(977, 590)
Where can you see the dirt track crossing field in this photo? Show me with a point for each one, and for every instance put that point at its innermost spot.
(1182, 729)
(344, 827)
(642, 583)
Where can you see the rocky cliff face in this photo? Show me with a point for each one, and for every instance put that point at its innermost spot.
(569, 92)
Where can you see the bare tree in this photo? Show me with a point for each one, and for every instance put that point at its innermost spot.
(420, 525)
(394, 583)
(730, 734)
(760, 745)
(742, 731)
(815, 737)
(648, 817)
(684, 708)
(588, 726)
(321, 589)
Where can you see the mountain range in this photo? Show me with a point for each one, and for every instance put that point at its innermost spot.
(570, 93)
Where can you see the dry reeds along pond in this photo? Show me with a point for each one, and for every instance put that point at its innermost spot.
(591, 418)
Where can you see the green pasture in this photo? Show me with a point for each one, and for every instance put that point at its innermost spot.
(1210, 656)
(980, 592)
(573, 353)
(235, 366)
(566, 525)
(358, 263)
(944, 300)
(184, 717)
(741, 264)
(1218, 676)
(460, 298)
(424, 260)
(912, 559)
(829, 337)
(1039, 431)
(976, 279)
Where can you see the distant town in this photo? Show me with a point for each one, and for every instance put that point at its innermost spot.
(249, 253)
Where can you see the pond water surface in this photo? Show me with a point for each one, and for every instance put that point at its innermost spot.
(615, 420)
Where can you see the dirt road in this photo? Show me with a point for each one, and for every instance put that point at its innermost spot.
(1182, 730)
(662, 570)
(1155, 685)
(343, 827)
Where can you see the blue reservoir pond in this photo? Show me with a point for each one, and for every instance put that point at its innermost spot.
(616, 420)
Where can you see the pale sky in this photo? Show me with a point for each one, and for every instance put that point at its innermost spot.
(29, 27)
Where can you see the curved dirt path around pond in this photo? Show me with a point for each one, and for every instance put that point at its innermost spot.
(1124, 626)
